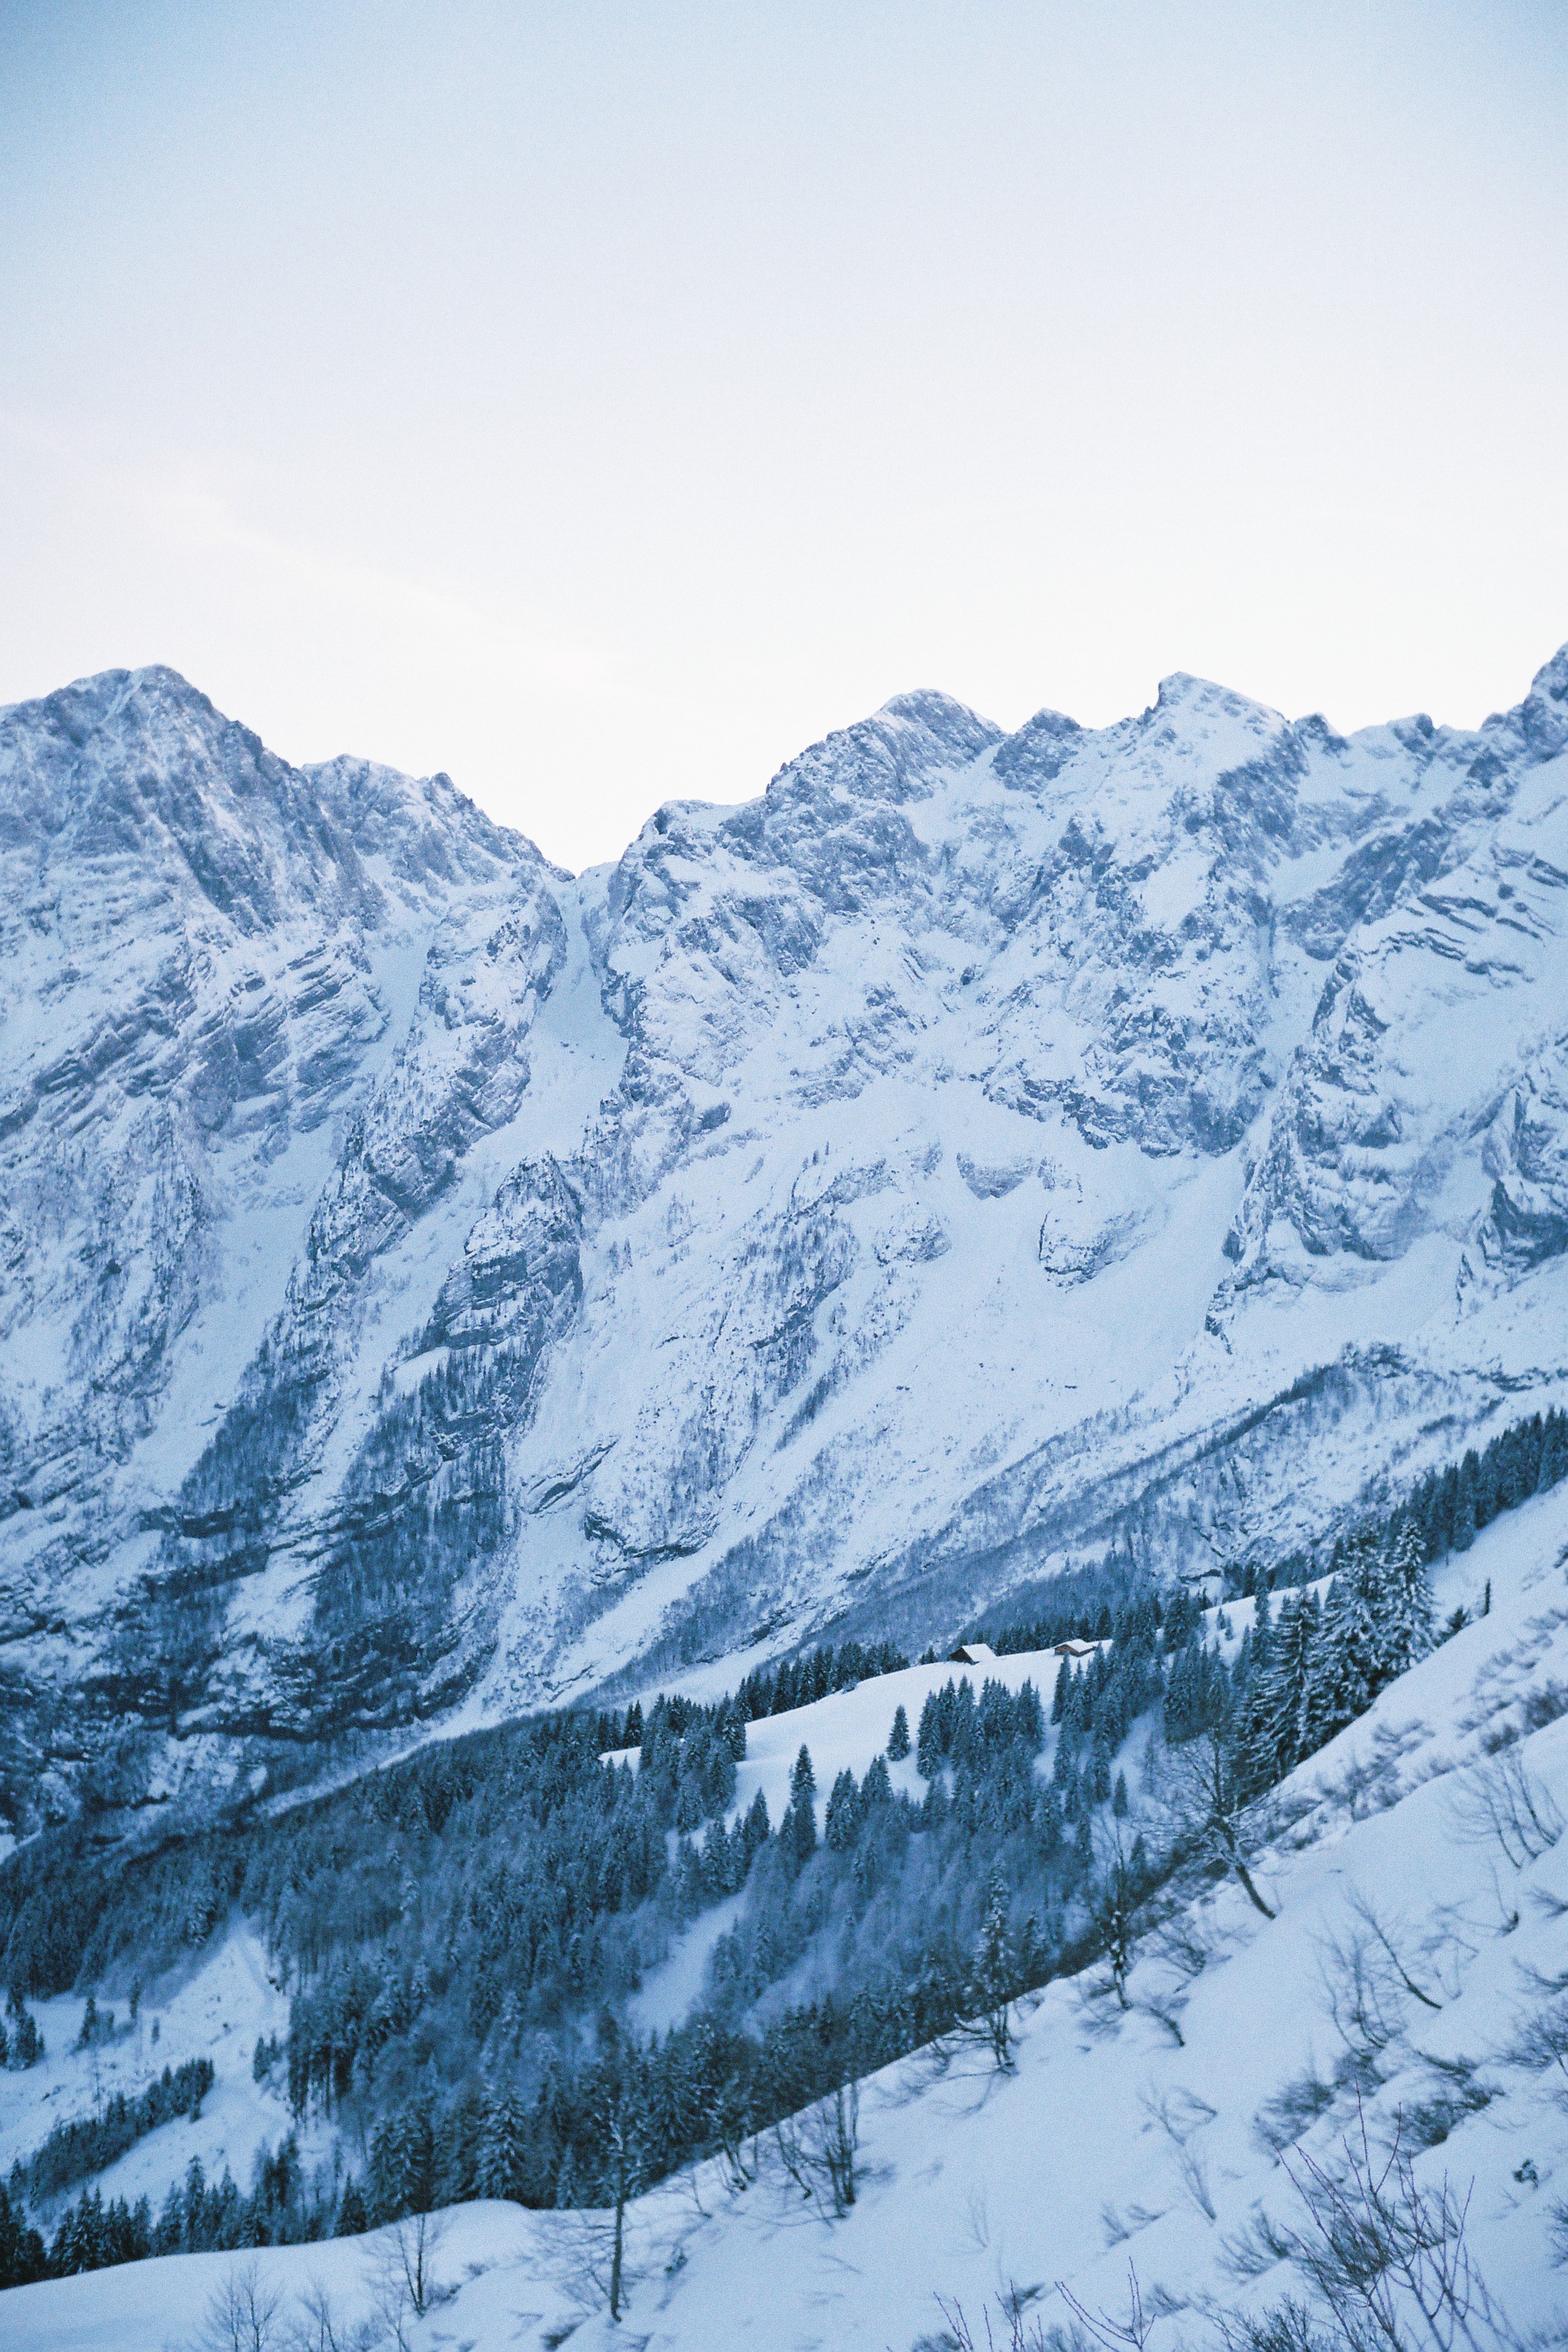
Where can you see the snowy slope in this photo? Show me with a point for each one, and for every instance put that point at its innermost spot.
(220, 2010)
(1110, 2143)
(433, 1287)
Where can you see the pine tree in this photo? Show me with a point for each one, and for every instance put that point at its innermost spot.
(799, 1826)
(1553, 1452)
(899, 1737)
(929, 1743)
(1408, 1601)
(1349, 1657)
(993, 1981)
(501, 2146)
(1280, 1721)
(757, 1826)
(843, 1816)
(21, 2248)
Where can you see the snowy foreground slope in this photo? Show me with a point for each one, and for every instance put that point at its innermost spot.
(431, 1283)
(1112, 2144)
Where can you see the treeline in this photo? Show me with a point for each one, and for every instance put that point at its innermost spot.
(1303, 1674)
(74, 2152)
(1446, 1509)
(771, 1691)
(285, 2206)
(935, 1913)
(560, 1851)
(463, 1930)
(1449, 1507)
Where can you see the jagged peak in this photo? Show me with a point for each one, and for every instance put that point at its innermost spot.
(86, 703)
(1541, 718)
(942, 714)
(893, 754)
(374, 802)
(1550, 683)
(1183, 692)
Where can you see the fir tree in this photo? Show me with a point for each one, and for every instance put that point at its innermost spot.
(1407, 1597)
(993, 1982)
(1349, 1656)
(1279, 1719)
(930, 1746)
(21, 2247)
(899, 1737)
(842, 1820)
(802, 1778)
(501, 2146)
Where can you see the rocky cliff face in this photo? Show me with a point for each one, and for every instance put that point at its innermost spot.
(428, 1281)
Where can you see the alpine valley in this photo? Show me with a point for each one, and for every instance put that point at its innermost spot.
(434, 1289)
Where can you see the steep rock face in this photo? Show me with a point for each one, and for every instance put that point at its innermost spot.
(428, 1279)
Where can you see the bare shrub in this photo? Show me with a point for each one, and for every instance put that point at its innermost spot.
(1502, 1801)
(1544, 1704)
(1371, 1780)
(1180, 1945)
(1288, 2327)
(1428, 2122)
(1118, 2226)
(320, 2326)
(1192, 2173)
(1129, 2335)
(1385, 2259)
(1282, 2119)
(1541, 2039)
(1178, 2112)
(1257, 2246)
(1087, 2330)
(819, 2150)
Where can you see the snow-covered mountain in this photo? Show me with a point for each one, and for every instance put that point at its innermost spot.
(429, 1282)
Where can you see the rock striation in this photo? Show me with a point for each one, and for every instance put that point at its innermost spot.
(428, 1281)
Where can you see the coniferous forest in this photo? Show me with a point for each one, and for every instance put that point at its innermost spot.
(461, 1933)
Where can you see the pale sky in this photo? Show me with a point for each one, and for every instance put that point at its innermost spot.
(600, 402)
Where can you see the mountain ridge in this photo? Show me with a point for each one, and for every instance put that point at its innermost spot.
(433, 1281)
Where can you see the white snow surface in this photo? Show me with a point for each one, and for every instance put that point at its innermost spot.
(219, 2009)
(850, 1208)
(1111, 2143)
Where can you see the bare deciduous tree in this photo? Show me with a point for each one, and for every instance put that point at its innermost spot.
(1214, 1809)
(1113, 1902)
(404, 2264)
(819, 2150)
(244, 2312)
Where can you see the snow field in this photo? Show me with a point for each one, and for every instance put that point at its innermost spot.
(219, 2011)
(1111, 2143)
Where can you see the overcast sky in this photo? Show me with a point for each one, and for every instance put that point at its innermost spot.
(601, 402)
